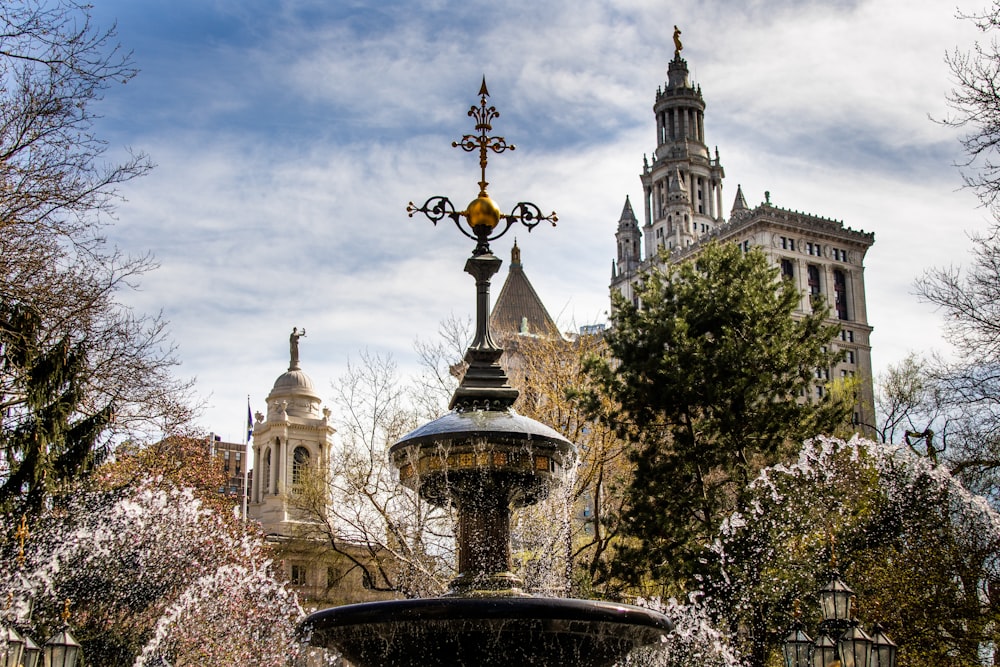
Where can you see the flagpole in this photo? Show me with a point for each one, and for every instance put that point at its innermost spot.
(246, 460)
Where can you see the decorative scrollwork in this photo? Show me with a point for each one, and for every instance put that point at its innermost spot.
(529, 215)
(482, 142)
(437, 208)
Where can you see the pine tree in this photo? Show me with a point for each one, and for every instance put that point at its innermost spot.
(713, 372)
(49, 434)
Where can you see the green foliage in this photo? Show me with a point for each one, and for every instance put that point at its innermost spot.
(49, 435)
(711, 373)
(915, 546)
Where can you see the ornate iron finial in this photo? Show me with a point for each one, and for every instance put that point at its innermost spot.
(482, 214)
(483, 142)
(22, 535)
(485, 384)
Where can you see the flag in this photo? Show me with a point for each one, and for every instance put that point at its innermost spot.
(249, 420)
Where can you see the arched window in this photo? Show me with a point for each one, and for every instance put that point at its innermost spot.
(265, 474)
(300, 461)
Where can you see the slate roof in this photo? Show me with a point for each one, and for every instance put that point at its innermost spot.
(518, 310)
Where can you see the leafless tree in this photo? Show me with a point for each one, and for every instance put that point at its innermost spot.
(401, 543)
(58, 191)
(975, 103)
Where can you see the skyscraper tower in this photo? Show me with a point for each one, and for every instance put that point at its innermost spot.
(682, 191)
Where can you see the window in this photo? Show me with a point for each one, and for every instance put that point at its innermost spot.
(787, 271)
(746, 246)
(300, 461)
(813, 281)
(265, 473)
(850, 356)
(819, 391)
(840, 294)
(299, 575)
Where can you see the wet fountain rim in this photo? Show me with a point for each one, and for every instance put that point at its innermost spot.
(486, 609)
(476, 424)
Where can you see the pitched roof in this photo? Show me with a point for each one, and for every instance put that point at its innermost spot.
(518, 308)
(628, 215)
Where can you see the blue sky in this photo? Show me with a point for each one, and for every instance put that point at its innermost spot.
(289, 137)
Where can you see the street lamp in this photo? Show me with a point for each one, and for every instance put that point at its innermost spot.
(32, 653)
(797, 647)
(61, 650)
(13, 646)
(853, 647)
(883, 648)
(17, 650)
(835, 600)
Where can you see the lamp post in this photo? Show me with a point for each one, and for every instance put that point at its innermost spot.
(841, 641)
(19, 650)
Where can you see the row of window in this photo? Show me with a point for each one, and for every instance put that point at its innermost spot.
(813, 249)
(300, 576)
(839, 285)
(821, 389)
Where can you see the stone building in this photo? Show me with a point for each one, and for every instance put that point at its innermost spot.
(292, 445)
(682, 207)
(232, 456)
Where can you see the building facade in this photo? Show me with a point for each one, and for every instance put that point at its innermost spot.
(294, 438)
(232, 456)
(292, 446)
(682, 206)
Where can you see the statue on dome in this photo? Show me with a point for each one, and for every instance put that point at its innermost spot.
(677, 42)
(293, 348)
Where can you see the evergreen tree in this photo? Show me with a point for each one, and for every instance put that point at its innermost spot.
(49, 434)
(714, 374)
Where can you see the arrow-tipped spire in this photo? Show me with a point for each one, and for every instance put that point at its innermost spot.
(482, 89)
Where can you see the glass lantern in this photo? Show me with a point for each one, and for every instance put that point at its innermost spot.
(11, 647)
(32, 655)
(883, 648)
(61, 650)
(797, 647)
(824, 651)
(835, 601)
(855, 647)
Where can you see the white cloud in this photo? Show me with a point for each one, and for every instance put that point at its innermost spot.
(289, 144)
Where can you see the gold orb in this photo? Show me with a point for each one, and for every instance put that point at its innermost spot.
(483, 212)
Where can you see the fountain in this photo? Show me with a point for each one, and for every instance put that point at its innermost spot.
(483, 459)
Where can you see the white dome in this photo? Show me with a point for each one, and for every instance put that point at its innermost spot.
(292, 380)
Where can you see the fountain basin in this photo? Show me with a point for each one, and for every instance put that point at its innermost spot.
(485, 632)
